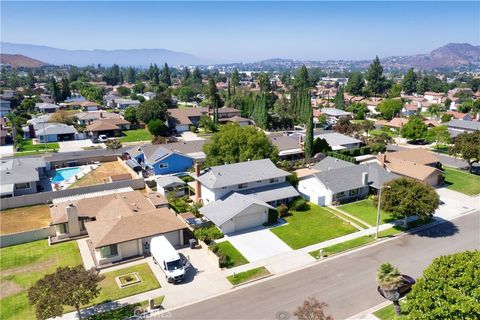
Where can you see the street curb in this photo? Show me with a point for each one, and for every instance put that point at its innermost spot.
(253, 280)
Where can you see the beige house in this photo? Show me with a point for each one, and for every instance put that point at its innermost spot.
(120, 226)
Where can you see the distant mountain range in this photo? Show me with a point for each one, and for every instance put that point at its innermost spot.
(450, 56)
(18, 60)
(123, 57)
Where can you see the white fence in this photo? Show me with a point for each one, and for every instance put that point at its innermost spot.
(26, 236)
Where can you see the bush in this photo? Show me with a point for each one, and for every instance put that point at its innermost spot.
(180, 205)
(272, 217)
(299, 204)
(293, 179)
(223, 260)
(207, 234)
(283, 210)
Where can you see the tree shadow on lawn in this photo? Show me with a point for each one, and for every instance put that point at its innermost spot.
(103, 306)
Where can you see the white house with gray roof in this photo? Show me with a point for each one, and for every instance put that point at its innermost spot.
(20, 176)
(241, 193)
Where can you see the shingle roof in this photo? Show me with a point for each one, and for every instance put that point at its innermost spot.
(343, 179)
(284, 143)
(54, 128)
(335, 112)
(464, 124)
(221, 211)
(273, 192)
(329, 163)
(237, 173)
(190, 148)
(169, 181)
(43, 106)
(101, 125)
(417, 155)
(183, 115)
(20, 170)
(336, 139)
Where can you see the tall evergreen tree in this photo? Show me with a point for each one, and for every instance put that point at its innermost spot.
(409, 82)
(308, 144)
(339, 99)
(165, 78)
(54, 90)
(301, 78)
(65, 93)
(235, 80)
(130, 75)
(355, 84)
(374, 76)
(197, 75)
(154, 74)
(214, 98)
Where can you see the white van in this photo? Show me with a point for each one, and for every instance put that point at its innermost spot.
(165, 255)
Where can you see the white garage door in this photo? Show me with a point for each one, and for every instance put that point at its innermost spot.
(248, 221)
(173, 238)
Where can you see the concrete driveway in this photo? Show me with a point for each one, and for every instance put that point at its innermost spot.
(75, 145)
(454, 203)
(190, 136)
(257, 243)
(6, 151)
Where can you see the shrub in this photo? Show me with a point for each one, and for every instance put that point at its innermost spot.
(299, 204)
(272, 216)
(293, 179)
(282, 210)
(207, 234)
(223, 260)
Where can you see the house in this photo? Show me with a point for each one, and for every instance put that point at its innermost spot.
(416, 163)
(336, 113)
(460, 115)
(434, 97)
(86, 118)
(181, 119)
(456, 127)
(242, 122)
(258, 178)
(125, 103)
(167, 184)
(226, 113)
(237, 212)
(336, 181)
(50, 132)
(289, 147)
(20, 176)
(46, 107)
(109, 100)
(108, 127)
(396, 123)
(337, 141)
(5, 108)
(89, 105)
(148, 95)
(372, 105)
(120, 226)
(410, 109)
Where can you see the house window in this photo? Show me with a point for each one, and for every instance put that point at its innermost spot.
(163, 165)
(273, 180)
(63, 228)
(82, 225)
(242, 185)
(223, 188)
(22, 186)
(353, 192)
(259, 181)
(340, 194)
(109, 251)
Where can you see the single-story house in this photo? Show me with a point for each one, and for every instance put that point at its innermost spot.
(86, 118)
(416, 163)
(89, 105)
(50, 132)
(289, 147)
(410, 109)
(148, 95)
(125, 103)
(435, 97)
(108, 127)
(170, 183)
(226, 113)
(120, 226)
(20, 176)
(242, 122)
(181, 119)
(337, 141)
(335, 113)
(460, 115)
(237, 212)
(47, 107)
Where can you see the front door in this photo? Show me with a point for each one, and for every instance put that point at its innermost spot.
(146, 247)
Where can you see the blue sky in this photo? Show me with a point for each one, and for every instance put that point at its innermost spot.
(245, 31)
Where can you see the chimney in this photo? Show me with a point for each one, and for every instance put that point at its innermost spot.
(382, 159)
(31, 131)
(365, 178)
(72, 220)
(198, 186)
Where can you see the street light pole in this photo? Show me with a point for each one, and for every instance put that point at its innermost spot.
(378, 208)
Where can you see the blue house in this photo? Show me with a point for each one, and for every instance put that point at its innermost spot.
(160, 160)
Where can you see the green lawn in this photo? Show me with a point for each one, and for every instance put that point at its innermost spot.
(29, 148)
(136, 135)
(23, 265)
(110, 290)
(388, 313)
(234, 257)
(366, 211)
(315, 225)
(377, 132)
(462, 181)
(248, 275)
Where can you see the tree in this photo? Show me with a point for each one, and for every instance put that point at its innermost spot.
(467, 147)
(65, 91)
(446, 117)
(263, 80)
(355, 84)
(207, 123)
(409, 82)
(312, 309)
(165, 76)
(439, 134)
(415, 129)
(405, 197)
(214, 98)
(389, 280)
(154, 74)
(113, 144)
(130, 75)
(339, 99)
(54, 90)
(123, 91)
(139, 87)
(113, 76)
(358, 109)
(186, 93)
(234, 144)
(320, 145)
(67, 286)
(151, 109)
(301, 78)
(395, 91)
(375, 78)
(197, 75)
(235, 80)
(61, 116)
(131, 115)
(389, 108)
(448, 289)
(157, 127)
(308, 144)
(434, 109)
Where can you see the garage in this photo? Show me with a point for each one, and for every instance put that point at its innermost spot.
(250, 220)
(182, 127)
(173, 237)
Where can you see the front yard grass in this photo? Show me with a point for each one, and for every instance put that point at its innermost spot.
(248, 275)
(24, 219)
(28, 148)
(315, 225)
(233, 257)
(23, 265)
(366, 211)
(100, 175)
(388, 313)
(136, 135)
(462, 181)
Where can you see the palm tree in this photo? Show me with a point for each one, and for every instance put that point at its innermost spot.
(389, 280)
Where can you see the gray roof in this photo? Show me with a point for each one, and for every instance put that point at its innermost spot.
(43, 106)
(242, 172)
(20, 170)
(127, 101)
(336, 139)
(284, 143)
(329, 163)
(377, 176)
(221, 211)
(335, 112)
(464, 124)
(169, 181)
(193, 149)
(273, 192)
(49, 128)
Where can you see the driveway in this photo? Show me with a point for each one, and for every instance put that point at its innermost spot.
(6, 151)
(257, 243)
(74, 145)
(190, 136)
(454, 203)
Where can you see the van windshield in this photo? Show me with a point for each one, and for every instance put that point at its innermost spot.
(174, 265)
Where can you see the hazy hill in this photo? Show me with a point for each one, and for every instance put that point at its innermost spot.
(18, 60)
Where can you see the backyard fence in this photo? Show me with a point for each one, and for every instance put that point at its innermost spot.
(26, 236)
(47, 197)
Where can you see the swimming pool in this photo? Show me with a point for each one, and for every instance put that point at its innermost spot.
(65, 174)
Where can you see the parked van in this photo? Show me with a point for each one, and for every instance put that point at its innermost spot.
(165, 255)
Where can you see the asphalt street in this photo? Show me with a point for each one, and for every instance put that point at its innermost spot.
(346, 283)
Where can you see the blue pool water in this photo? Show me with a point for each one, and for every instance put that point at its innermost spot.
(65, 174)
